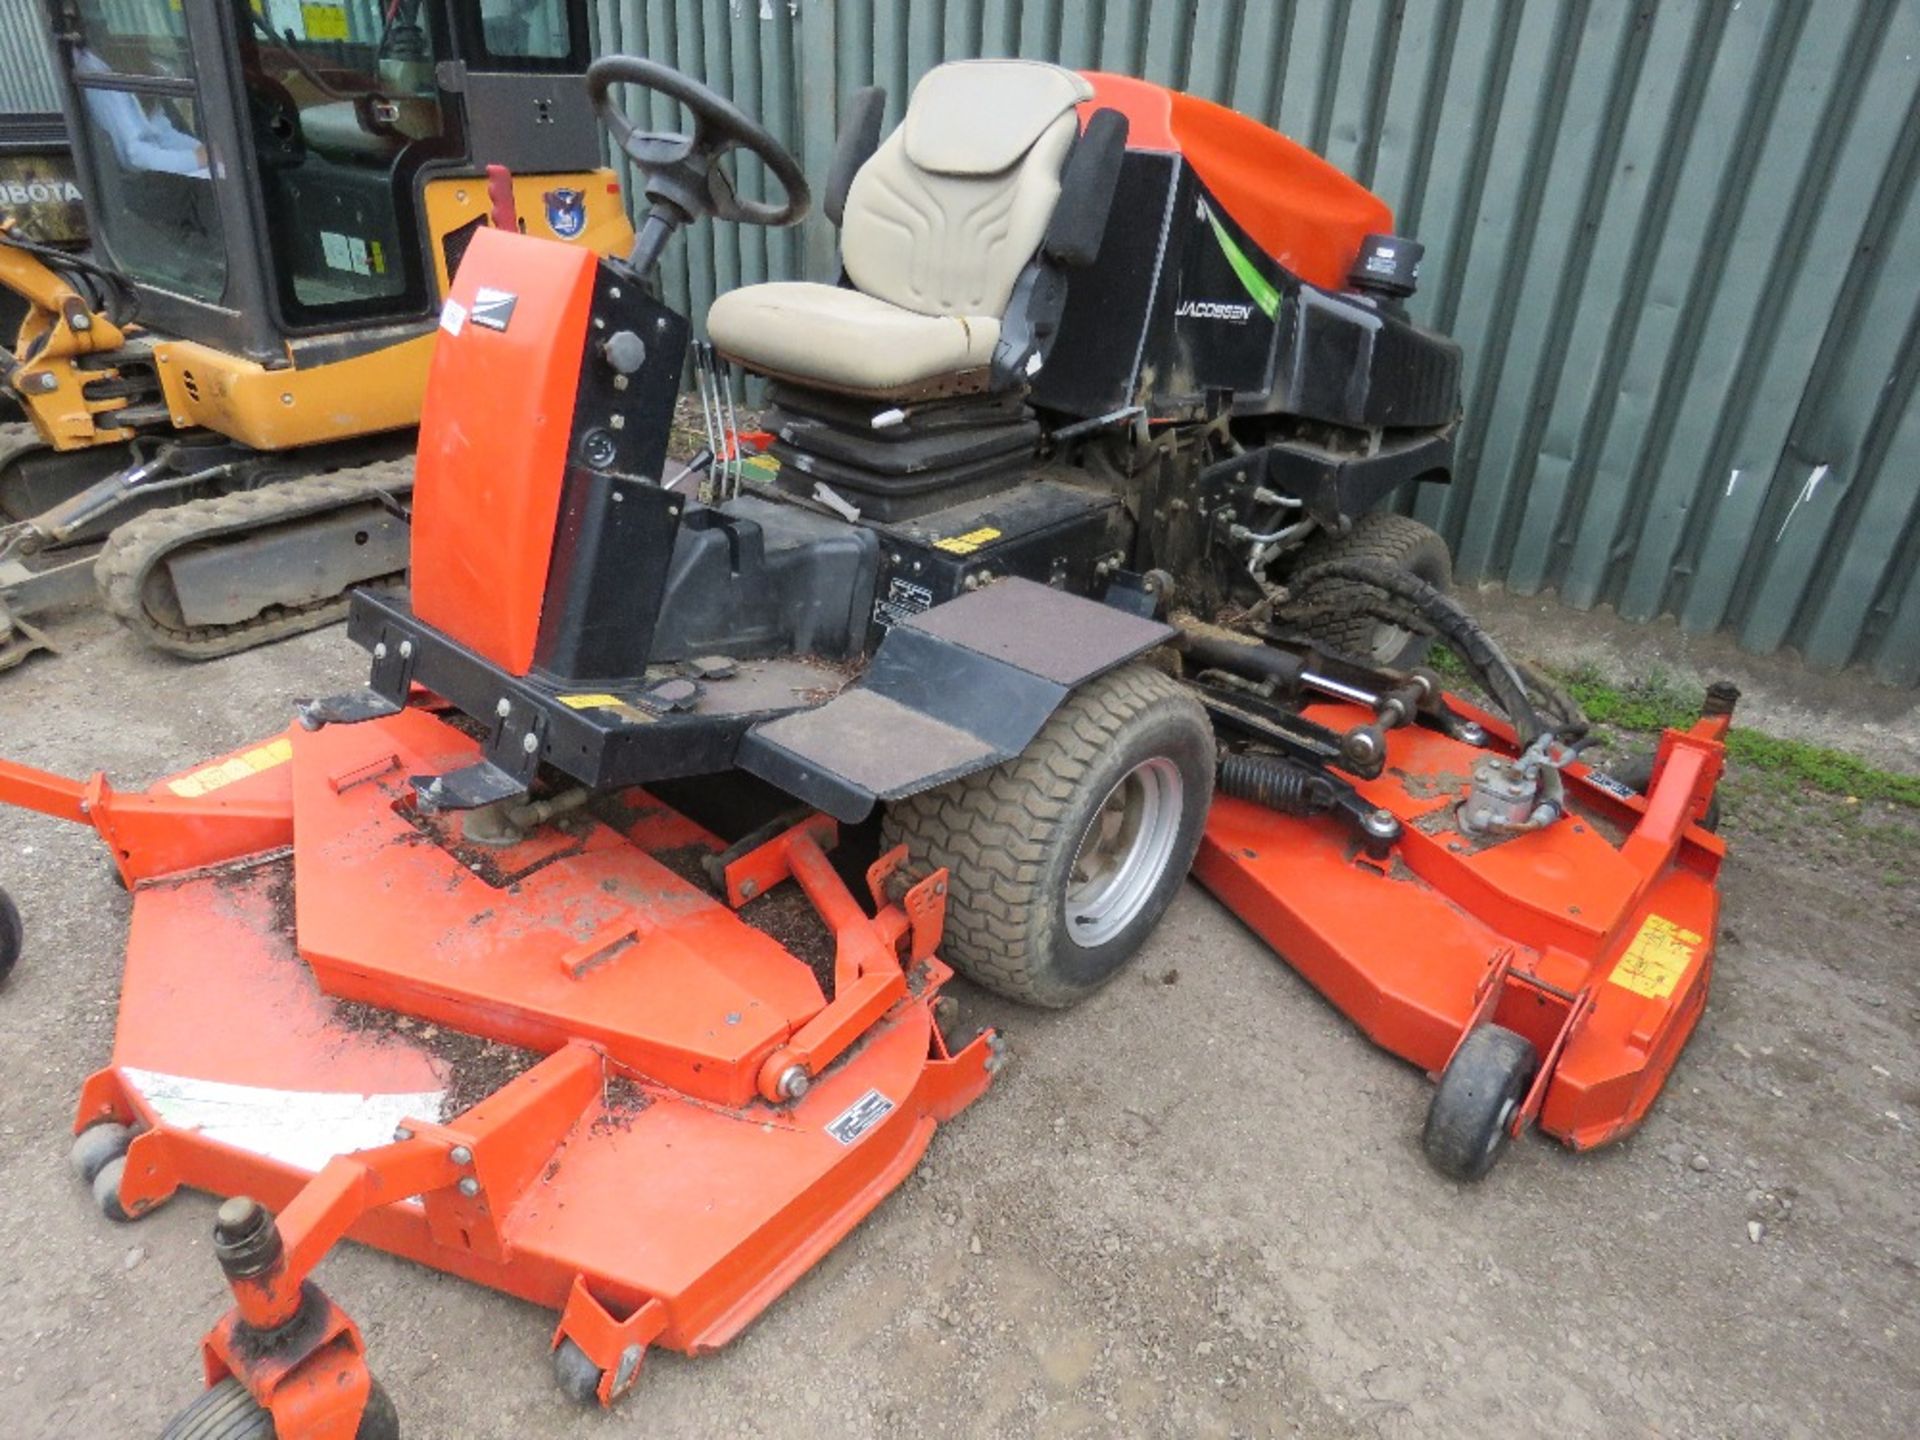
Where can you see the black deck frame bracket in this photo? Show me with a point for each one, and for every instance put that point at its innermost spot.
(527, 721)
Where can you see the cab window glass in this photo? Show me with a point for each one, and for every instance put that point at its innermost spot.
(526, 29)
(131, 37)
(343, 109)
(155, 214)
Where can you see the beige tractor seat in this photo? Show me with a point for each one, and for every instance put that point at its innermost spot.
(938, 225)
(846, 339)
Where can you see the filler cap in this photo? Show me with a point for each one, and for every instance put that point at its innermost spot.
(1387, 265)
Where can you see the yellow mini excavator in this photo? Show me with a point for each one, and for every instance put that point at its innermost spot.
(222, 393)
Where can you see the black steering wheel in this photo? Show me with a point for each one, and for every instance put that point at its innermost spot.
(682, 176)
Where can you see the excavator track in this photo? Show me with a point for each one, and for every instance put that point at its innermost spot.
(136, 587)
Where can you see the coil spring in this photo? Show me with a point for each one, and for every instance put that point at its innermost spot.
(1275, 782)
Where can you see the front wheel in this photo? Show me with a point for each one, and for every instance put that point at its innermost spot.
(1062, 860)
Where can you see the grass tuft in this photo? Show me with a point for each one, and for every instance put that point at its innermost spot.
(1656, 702)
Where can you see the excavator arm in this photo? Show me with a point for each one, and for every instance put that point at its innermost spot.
(61, 326)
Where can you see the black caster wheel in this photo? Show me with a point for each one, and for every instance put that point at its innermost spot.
(106, 1190)
(227, 1412)
(96, 1146)
(579, 1377)
(1471, 1117)
(12, 936)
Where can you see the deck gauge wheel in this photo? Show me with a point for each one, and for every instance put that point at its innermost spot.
(1470, 1119)
(580, 1378)
(12, 936)
(227, 1412)
(99, 1157)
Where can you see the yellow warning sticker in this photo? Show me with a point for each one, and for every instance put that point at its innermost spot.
(227, 772)
(968, 543)
(324, 19)
(1657, 958)
(632, 714)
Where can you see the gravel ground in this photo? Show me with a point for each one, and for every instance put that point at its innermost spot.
(1193, 1207)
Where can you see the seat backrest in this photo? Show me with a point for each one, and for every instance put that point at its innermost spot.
(953, 205)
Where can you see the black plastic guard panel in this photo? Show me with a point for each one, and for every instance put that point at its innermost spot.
(962, 687)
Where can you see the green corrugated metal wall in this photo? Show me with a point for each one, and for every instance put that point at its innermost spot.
(1679, 239)
(26, 76)
(1680, 242)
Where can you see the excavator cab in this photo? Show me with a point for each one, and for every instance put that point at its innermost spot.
(278, 194)
(262, 171)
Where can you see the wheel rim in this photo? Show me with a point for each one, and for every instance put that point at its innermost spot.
(1388, 642)
(1124, 852)
(1499, 1136)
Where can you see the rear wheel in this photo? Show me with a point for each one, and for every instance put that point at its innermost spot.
(1063, 859)
(1481, 1090)
(1344, 627)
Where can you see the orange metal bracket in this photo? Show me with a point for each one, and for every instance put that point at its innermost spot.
(313, 1379)
(616, 1346)
(56, 795)
(468, 1173)
(868, 976)
(157, 832)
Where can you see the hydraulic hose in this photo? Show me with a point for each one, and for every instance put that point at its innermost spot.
(1448, 622)
(110, 294)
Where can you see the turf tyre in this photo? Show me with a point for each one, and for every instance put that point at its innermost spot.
(227, 1412)
(13, 936)
(1637, 775)
(1010, 837)
(1380, 539)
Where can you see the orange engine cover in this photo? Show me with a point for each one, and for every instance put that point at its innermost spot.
(494, 434)
(1298, 208)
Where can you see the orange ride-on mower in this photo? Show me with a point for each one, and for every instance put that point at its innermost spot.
(1074, 520)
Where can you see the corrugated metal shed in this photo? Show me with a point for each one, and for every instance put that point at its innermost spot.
(26, 78)
(1679, 239)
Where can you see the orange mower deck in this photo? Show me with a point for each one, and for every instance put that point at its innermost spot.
(561, 1068)
(1591, 938)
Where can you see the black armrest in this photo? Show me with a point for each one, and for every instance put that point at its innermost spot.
(1086, 191)
(859, 138)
